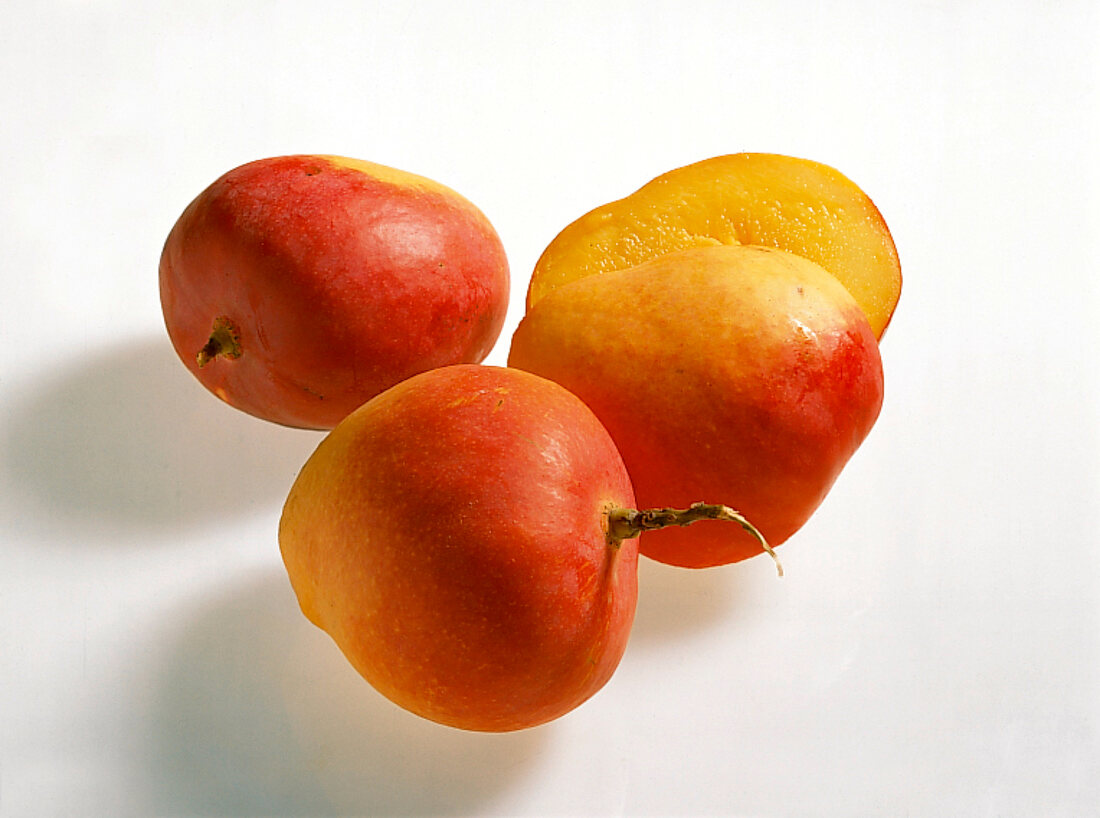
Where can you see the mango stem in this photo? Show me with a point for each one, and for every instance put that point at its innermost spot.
(627, 523)
(225, 340)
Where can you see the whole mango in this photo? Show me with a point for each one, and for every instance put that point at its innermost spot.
(742, 373)
(296, 288)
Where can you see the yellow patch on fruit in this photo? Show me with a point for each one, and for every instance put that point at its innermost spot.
(384, 173)
(464, 400)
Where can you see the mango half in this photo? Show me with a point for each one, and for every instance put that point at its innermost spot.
(792, 204)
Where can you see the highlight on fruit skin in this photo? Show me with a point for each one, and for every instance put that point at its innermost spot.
(297, 287)
(798, 205)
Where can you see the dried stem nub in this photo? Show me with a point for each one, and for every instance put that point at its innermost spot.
(225, 340)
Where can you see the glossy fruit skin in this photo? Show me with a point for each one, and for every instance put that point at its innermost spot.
(738, 375)
(339, 277)
(798, 205)
(451, 537)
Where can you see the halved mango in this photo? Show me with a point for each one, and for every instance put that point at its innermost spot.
(797, 205)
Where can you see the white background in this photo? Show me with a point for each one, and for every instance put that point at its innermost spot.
(934, 649)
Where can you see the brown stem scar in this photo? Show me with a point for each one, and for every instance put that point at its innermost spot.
(224, 341)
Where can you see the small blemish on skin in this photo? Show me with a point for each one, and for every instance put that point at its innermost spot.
(807, 333)
(462, 400)
(313, 170)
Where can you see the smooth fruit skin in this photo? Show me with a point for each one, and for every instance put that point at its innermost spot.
(338, 278)
(805, 207)
(451, 537)
(738, 375)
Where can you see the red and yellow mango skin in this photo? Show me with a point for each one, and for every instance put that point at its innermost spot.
(726, 374)
(333, 279)
(451, 536)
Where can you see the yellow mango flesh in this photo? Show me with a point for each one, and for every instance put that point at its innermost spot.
(797, 205)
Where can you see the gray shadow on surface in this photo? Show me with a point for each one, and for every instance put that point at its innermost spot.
(126, 441)
(674, 603)
(259, 714)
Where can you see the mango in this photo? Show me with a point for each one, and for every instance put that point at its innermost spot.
(798, 205)
(744, 375)
(454, 537)
(296, 288)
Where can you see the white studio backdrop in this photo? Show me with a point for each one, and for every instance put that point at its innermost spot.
(934, 648)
